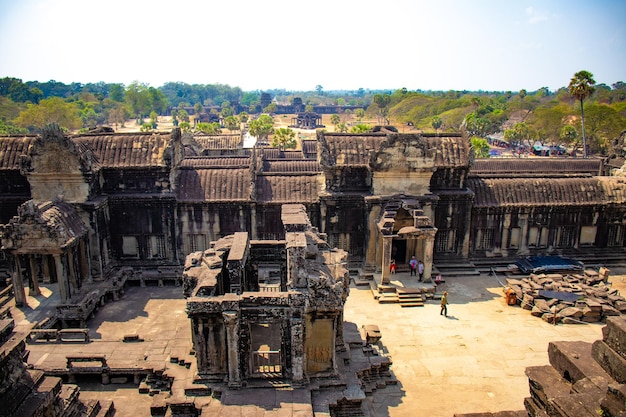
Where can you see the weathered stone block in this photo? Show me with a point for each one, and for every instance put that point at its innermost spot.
(610, 361)
(614, 334)
(574, 361)
(545, 383)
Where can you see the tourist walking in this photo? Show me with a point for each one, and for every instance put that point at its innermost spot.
(420, 270)
(413, 265)
(392, 266)
(444, 304)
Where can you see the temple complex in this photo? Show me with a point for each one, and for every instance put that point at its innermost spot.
(260, 240)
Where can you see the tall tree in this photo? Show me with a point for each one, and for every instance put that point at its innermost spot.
(382, 101)
(262, 127)
(284, 138)
(51, 110)
(581, 87)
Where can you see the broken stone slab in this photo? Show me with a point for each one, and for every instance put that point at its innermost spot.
(578, 405)
(574, 361)
(614, 334)
(545, 383)
(528, 301)
(610, 361)
(533, 409)
(614, 403)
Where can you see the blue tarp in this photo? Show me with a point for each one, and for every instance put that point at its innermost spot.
(538, 264)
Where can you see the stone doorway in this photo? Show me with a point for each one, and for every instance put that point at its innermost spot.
(265, 354)
(399, 252)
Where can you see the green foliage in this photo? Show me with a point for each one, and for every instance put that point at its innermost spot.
(182, 115)
(270, 108)
(568, 134)
(519, 134)
(481, 147)
(360, 128)
(581, 87)
(231, 123)
(477, 126)
(146, 127)
(209, 128)
(359, 113)
(436, 122)
(262, 127)
(308, 108)
(284, 138)
(51, 110)
(6, 129)
(382, 103)
(335, 120)
(243, 116)
(184, 126)
(342, 127)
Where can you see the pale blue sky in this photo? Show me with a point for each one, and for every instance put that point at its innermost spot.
(296, 45)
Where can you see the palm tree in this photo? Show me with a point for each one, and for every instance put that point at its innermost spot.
(581, 87)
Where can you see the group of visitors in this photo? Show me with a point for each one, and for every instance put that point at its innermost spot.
(417, 268)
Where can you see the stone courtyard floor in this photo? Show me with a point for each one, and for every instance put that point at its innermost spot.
(472, 361)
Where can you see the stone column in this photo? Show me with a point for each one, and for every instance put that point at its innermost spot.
(523, 244)
(429, 245)
(34, 276)
(73, 281)
(371, 263)
(85, 261)
(386, 258)
(18, 284)
(45, 266)
(465, 244)
(297, 351)
(253, 227)
(231, 321)
(61, 278)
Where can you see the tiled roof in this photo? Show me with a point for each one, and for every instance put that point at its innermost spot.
(11, 148)
(287, 189)
(355, 149)
(275, 153)
(289, 166)
(502, 192)
(221, 141)
(214, 185)
(539, 166)
(218, 161)
(127, 150)
(309, 148)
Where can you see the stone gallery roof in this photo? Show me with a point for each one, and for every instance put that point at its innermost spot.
(540, 166)
(356, 149)
(43, 226)
(503, 192)
(11, 148)
(309, 148)
(121, 150)
(221, 141)
(214, 185)
(217, 161)
(287, 189)
(275, 153)
(291, 166)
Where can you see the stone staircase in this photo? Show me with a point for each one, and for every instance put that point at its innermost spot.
(406, 297)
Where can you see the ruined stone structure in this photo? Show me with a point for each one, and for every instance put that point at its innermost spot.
(28, 392)
(307, 120)
(267, 308)
(106, 201)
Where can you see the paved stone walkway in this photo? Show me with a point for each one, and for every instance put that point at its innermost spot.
(472, 361)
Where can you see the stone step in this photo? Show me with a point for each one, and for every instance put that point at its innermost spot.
(411, 304)
(387, 298)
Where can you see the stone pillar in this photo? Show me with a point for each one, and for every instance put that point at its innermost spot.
(61, 278)
(429, 245)
(18, 284)
(465, 245)
(85, 261)
(386, 258)
(371, 262)
(297, 351)
(231, 321)
(523, 245)
(253, 226)
(34, 276)
(45, 266)
(73, 281)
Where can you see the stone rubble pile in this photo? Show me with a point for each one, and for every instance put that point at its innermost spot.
(568, 298)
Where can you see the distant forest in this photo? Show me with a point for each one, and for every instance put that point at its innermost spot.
(517, 117)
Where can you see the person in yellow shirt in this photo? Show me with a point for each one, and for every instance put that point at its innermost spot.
(444, 304)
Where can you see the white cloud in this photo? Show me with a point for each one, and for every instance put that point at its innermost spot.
(535, 16)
